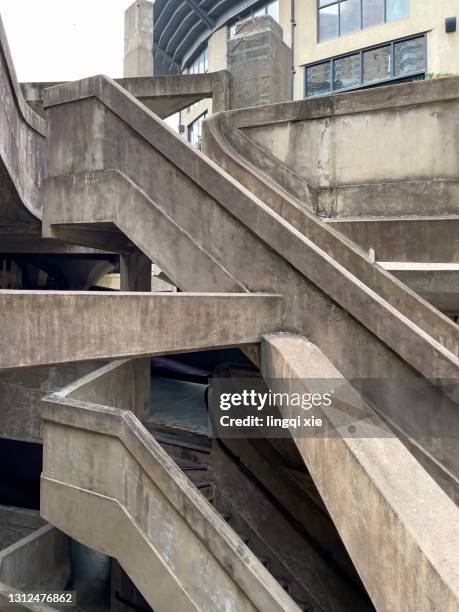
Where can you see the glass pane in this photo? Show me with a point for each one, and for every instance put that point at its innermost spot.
(409, 56)
(273, 10)
(350, 16)
(376, 65)
(347, 72)
(328, 22)
(373, 12)
(259, 12)
(325, 2)
(318, 79)
(396, 9)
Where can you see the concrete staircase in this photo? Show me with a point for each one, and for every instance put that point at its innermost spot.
(239, 222)
(138, 507)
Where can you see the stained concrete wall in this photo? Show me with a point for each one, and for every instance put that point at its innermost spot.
(259, 63)
(61, 327)
(21, 393)
(398, 526)
(38, 562)
(361, 317)
(138, 39)
(387, 151)
(174, 546)
(22, 151)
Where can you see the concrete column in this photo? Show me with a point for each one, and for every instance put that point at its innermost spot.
(138, 39)
(135, 275)
(135, 271)
(260, 64)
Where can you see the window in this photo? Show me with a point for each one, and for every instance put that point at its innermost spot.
(349, 18)
(396, 9)
(200, 64)
(409, 56)
(346, 72)
(377, 64)
(271, 8)
(373, 13)
(340, 17)
(195, 131)
(328, 22)
(319, 79)
(393, 61)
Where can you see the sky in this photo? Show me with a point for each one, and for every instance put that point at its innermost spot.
(64, 40)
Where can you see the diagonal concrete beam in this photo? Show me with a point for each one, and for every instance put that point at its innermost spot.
(47, 327)
(400, 529)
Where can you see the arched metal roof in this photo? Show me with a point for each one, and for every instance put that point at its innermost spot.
(181, 28)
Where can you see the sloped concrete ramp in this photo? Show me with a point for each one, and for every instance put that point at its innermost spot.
(400, 529)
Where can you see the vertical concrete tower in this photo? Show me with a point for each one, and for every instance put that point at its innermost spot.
(138, 39)
(260, 64)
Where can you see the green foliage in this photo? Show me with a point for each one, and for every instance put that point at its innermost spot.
(438, 75)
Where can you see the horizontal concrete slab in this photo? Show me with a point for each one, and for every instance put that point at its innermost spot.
(416, 238)
(438, 283)
(400, 529)
(47, 327)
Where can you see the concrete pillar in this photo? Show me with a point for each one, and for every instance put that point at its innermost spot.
(135, 271)
(135, 275)
(138, 39)
(260, 64)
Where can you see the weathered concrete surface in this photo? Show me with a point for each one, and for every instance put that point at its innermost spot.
(138, 39)
(422, 239)
(46, 327)
(175, 547)
(38, 561)
(22, 152)
(260, 64)
(438, 283)
(17, 523)
(399, 527)
(368, 323)
(362, 153)
(164, 95)
(199, 183)
(21, 392)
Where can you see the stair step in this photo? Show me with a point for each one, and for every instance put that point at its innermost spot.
(304, 607)
(285, 584)
(187, 465)
(207, 489)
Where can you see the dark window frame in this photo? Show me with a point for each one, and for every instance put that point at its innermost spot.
(365, 85)
(200, 117)
(339, 2)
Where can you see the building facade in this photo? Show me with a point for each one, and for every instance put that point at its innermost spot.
(335, 45)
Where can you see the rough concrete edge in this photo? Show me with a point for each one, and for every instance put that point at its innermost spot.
(353, 102)
(240, 563)
(34, 121)
(273, 343)
(123, 180)
(217, 132)
(112, 95)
